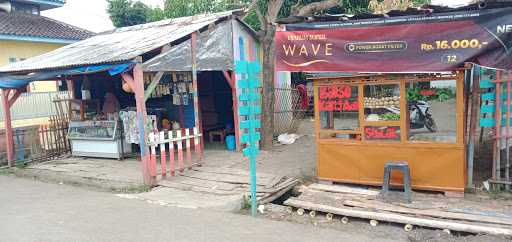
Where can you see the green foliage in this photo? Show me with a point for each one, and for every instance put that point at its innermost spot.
(441, 94)
(182, 8)
(390, 116)
(128, 13)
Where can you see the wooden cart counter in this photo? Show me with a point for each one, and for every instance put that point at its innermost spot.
(362, 122)
(433, 167)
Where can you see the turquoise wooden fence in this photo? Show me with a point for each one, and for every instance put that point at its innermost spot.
(488, 97)
(249, 110)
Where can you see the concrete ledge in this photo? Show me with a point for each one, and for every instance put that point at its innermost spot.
(87, 182)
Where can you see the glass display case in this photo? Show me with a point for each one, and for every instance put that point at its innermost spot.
(98, 139)
(102, 130)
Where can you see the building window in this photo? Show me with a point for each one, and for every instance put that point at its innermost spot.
(26, 8)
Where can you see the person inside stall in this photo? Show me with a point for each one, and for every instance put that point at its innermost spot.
(110, 103)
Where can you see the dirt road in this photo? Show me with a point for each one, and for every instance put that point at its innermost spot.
(35, 211)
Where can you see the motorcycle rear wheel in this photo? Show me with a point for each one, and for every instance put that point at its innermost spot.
(430, 124)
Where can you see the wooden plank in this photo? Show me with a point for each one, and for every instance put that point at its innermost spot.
(273, 196)
(427, 212)
(231, 171)
(224, 178)
(343, 189)
(186, 187)
(199, 183)
(402, 219)
(152, 85)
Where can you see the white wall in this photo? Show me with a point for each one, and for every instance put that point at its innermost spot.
(451, 3)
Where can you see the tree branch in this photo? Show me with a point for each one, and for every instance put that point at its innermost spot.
(260, 16)
(273, 8)
(249, 8)
(316, 7)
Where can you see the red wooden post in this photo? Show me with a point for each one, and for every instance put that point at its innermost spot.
(231, 79)
(152, 157)
(9, 139)
(187, 145)
(234, 93)
(137, 84)
(8, 127)
(180, 149)
(171, 152)
(163, 158)
(197, 145)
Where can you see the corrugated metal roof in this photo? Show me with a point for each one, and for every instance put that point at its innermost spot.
(214, 52)
(118, 45)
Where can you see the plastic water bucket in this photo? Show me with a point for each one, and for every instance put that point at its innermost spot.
(230, 142)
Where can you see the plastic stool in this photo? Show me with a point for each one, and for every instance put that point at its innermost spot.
(404, 167)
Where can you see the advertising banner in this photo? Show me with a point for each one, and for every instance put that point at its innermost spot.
(417, 43)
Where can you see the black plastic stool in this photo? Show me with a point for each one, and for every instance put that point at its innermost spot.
(404, 167)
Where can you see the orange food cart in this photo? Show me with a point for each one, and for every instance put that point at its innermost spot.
(364, 121)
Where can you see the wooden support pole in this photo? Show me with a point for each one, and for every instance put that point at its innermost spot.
(71, 88)
(231, 79)
(7, 104)
(8, 127)
(137, 84)
(497, 140)
(507, 165)
(195, 93)
(473, 127)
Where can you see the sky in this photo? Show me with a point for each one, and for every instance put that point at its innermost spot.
(88, 14)
(92, 15)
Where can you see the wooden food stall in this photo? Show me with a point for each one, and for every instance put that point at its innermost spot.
(364, 121)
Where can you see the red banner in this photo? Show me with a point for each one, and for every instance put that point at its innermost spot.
(337, 98)
(381, 133)
(439, 42)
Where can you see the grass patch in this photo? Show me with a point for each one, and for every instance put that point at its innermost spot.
(5, 171)
(134, 189)
(500, 194)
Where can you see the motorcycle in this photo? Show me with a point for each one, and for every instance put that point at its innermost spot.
(420, 115)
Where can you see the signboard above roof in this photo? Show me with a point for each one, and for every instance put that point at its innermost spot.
(418, 43)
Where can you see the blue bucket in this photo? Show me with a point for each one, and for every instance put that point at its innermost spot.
(230, 142)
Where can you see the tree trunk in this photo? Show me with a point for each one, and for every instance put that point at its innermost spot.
(267, 119)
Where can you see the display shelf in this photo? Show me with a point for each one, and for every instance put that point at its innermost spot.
(93, 130)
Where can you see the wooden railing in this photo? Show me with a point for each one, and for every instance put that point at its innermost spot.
(174, 144)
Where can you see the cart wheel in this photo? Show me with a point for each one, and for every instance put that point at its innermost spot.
(312, 214)
(329, 216)
(300, 211)
(408, 227)
(374, 223)
(344, 220)
(447, 231)
(289, 209)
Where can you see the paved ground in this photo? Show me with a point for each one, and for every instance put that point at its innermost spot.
(35, 211)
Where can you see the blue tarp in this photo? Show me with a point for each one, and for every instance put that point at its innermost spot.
(17, 81)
